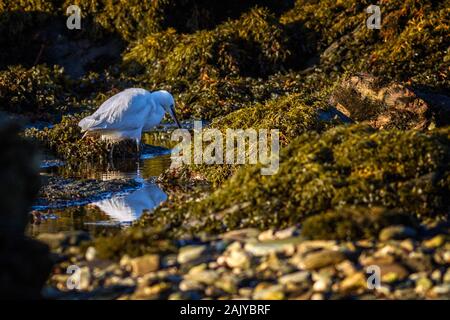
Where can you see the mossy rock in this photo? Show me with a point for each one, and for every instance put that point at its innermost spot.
(353, 165)
(291, 115)
(410, 45)
(353, 223)
(135, 241)
(252, 45)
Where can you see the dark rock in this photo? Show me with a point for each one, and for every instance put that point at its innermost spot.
(24, 263)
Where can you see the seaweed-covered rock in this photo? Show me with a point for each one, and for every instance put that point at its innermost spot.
(410, 45)
(353, 165)
(350, 223)
(255, 44)
(291, 115)
(363, 97)
(65, 140)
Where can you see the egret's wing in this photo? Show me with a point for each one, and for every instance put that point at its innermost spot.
(123, 111)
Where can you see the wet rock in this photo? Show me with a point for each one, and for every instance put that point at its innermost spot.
(398, 232)
(320, 259)
(144, 264)
(58, 192)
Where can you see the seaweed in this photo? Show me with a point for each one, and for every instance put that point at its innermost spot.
(353, 223)
(346, 165)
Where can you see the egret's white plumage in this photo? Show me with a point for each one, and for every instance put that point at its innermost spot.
(127, 114)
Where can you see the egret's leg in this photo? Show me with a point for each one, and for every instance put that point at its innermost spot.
(138, 148)
(111, 157)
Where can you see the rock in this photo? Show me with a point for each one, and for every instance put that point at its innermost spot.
(443, 289)
(238, 259)
(320, 259)
(64, 239)
(296, 277)
(434, 242)
(363, 97)
(25, 264)
(227, 283)
(346, 267)
(207, 277)
(398, 232)
(188, 285)
(90, 254)
(191, 253)
(19, 178)
(353, 282)
(423, 284)
(317, 296)
(286, 233)
(286, 246)
(393, 272)
(145, 264)
(322, 284)
(446, 277)
(266, 235)
(263, 291)
(241, 235)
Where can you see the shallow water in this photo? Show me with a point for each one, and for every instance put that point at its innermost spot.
(107, 212)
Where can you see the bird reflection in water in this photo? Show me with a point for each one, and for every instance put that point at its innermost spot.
(125, 209)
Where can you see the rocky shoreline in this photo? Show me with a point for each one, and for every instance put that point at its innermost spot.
(249, 264)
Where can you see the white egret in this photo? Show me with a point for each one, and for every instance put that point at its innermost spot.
(129, 113)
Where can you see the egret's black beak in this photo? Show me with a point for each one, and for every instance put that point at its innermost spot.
(174, 116)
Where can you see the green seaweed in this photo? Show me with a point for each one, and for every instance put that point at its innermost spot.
(353, 223)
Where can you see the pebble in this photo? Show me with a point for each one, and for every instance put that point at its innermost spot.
(286, 246)
(296, 277)
(268, 292)
(398, 232)
(238, 259)
(434, 242)
(144, 264)
(191, 253)
(90, 254)
(320, 259)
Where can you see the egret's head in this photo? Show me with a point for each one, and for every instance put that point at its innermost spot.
(165, 100)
